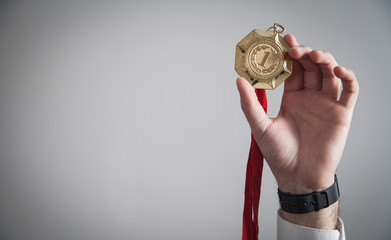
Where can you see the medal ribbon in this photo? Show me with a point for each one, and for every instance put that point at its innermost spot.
(252, 190)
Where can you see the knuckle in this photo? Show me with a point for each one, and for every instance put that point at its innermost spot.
(306, 48)
(330, 57)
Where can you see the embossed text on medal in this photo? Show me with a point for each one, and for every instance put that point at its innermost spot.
(264, 59)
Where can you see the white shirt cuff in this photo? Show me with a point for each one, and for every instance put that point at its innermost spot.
(287, 230)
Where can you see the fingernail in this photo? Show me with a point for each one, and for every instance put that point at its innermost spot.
(320, 52)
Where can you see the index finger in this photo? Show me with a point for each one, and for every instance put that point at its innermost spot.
(291, 40)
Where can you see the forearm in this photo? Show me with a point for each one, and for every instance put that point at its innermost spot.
(323, 219)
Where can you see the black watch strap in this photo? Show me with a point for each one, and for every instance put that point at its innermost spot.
(305, 203)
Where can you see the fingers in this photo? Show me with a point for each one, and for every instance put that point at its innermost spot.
(319, 70)
(252, 109)
(291, 40)
(327, 63)
(312, 71)
(295, 81)
(350, 86)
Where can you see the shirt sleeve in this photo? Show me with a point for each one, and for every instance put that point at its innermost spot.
(287, 230)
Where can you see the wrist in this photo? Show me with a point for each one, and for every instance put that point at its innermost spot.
(317, 209)
(307, 185)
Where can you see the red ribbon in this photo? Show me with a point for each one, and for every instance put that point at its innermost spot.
(252, 190)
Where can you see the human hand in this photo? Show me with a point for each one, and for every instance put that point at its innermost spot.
(304, 143)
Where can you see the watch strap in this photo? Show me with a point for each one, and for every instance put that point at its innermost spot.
(306, 203)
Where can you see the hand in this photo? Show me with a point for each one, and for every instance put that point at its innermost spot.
(304, 143)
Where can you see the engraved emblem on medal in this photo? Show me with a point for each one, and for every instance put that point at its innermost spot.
(262, 59)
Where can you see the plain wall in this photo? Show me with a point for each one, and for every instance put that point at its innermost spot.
(121, 119)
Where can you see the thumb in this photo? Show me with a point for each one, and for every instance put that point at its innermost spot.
(252, 109)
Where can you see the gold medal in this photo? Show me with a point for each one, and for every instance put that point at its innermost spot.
(262, 58)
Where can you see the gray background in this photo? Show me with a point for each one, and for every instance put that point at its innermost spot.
(121, 119)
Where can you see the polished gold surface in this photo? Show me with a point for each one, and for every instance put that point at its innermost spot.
(262, 59)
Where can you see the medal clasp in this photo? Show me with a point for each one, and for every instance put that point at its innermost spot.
(277, 28)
